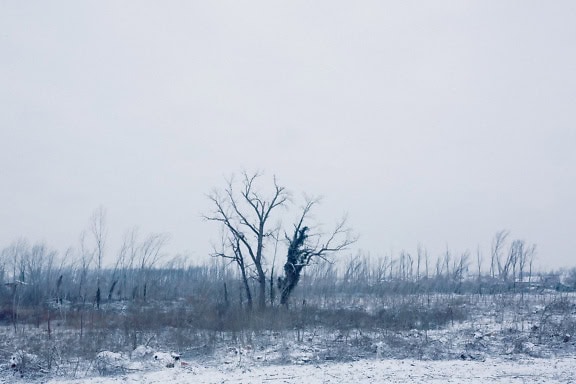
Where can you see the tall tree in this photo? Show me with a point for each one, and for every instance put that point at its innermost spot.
(245, 212)
(304, 246)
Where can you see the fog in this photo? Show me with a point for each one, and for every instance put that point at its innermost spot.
(428, 124)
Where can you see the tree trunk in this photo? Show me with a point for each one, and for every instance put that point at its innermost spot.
(246, 287)
(288, 283)
(262, 292)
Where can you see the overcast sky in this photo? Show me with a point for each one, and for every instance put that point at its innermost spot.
(433, 123)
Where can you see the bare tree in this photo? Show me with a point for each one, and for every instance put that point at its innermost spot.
(418, 261)
(84, 265)
(479, 268)
(16, 255)
(245, 211)
(460, 269)
(126, 262)
(150, 249)
(496, 254)
(519, 254)
(99, 232)
(479, 260)
(304, 246)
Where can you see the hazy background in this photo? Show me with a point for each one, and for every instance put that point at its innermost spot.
(433, 123)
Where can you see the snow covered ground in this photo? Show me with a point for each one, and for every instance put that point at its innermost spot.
(497, 343)
(528, 370)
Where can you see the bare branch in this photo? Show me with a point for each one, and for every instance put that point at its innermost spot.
(244, 212)
(304, 247)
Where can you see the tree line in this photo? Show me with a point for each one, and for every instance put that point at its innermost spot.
(260, 222)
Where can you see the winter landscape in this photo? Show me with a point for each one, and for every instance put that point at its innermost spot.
(281, 303)
(294, 191)
(396, 320)
(508, 347)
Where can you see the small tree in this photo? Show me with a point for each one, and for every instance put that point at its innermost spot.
(496, 263)
(99, 232)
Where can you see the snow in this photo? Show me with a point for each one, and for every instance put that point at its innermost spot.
(141, 351)
(529, 370)
(517, 345)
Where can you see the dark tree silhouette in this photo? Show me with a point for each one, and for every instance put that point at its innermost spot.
(244, 213)
(304, 247)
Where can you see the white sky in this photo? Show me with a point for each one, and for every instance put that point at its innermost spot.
(434, 123)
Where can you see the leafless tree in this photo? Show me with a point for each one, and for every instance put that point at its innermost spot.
(479, 268)
(518, 256)
(479, 262)
(460, 269)
(15, 254)
(245, 211)
(305, 246)
(419, 253)
(126, 264)
(527, 257)
(150, 253)
(83, 270)
(99, 233)
(496, 263)
(134, 264)
(84, 265)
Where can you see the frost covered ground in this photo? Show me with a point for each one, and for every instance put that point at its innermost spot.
(473, 357)
(500, 342)
(528, 370)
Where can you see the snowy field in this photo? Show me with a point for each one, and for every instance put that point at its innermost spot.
(527, 370)
(502, 340)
